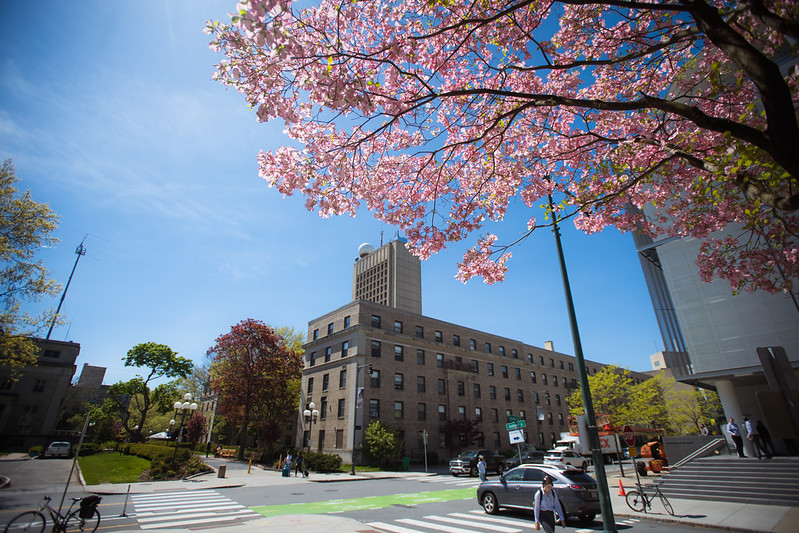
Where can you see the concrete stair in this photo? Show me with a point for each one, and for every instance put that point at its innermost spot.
(735, 480)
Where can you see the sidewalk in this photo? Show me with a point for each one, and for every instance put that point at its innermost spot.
(726, 516)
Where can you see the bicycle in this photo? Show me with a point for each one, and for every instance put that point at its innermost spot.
(638, 500)
(84, 518)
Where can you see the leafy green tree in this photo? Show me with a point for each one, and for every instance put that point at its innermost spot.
(461, 433)
(382, 442)
(25, 227)
(611, 390)
(134, 399)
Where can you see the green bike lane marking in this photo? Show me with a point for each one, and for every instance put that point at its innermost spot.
(368, 502)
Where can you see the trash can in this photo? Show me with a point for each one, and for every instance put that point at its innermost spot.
(221, 471)
(406, 463)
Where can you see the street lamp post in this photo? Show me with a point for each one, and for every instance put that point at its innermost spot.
(183, 408)
(358, 368)
(310, 415)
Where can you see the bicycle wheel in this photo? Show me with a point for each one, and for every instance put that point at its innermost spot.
(635, 500)
(75, 523)
(28, 522)
(666, 503)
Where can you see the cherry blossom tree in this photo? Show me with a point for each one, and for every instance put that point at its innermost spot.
(674, 118)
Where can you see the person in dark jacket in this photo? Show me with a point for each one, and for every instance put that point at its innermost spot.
(765, 438)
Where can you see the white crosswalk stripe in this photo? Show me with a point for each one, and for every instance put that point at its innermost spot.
(190, 508)
(472, 522)
(452, 481)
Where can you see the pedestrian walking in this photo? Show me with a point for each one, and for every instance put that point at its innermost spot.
(298, 464)
(735, 433)
(481, 468)
(546, 505)
(703, 430)
(753, 435)
(765, 437)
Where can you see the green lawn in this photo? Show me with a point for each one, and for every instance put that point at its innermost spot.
(112, 468)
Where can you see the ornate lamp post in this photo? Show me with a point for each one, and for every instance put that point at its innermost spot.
(358, 368)
(310, 415)
(183, 408)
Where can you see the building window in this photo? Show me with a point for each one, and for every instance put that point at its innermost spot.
(328, 353)
(494, 415)
(325, 382)
(39, 385)
(478, 414)
(374, 408)
(564, 382)
(522, 415)
(397, 326)
(492, 392)
(518, 373)
(461, 412)
(502, 351)
(561, 365)
(548, 398)
(520, 395)
(440, 360)
(541, 360)
(472, 344)
(55, 354)
(544, 379)
(456, 340)
(341, 407)
(504, 371)
(315, 334)
(554, 381)
(342, 378)
(420, 385)
(514, 353)
(439, 336)
(323, 409)
(557, 399)
(375, 321)
(399, 353)
(399, 410)
(560, 418)
(375, 348)
(399, 382)
(508, 414)
(507, 394)
(530, 358)
(488, 347)
(420, 357)
(497, 442)
(330, 329)
(420, 332)
(421, 411)
(442, 413)
(476, 390)
(346, 321)
(312, 359)
(536, 397)
(490, 367)
(532, 377)
(461, 389)
(458, 363)
(551, 362)
(310, 386)
(345, 348)
(549, 419)
(475, 366)
(442, 386)
(374, 379)
(571, 367)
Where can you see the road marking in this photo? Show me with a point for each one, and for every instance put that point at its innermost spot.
(392, 528)
(171, 510)
(437, 527)
(490, 527)
(486, 518)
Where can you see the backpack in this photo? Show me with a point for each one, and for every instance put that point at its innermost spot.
(88, 506)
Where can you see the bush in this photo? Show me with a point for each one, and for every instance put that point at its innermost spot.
(323, 462)
(36, 450)
(87, 448)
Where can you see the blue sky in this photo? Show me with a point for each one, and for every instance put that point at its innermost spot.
(111, 117)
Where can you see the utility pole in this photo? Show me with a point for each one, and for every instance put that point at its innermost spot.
(605, 504)
(80, 250)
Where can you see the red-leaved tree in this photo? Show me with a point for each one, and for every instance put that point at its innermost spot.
(252, 371)
(439, 116)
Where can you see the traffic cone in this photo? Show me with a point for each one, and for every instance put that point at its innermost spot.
(621, 489)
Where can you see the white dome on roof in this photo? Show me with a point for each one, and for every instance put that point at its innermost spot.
(365, 249)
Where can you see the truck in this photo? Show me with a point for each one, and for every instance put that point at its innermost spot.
(576, 438)
(466, 462)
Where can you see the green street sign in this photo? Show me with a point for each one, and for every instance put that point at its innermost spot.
(510, 426)
(512, 418)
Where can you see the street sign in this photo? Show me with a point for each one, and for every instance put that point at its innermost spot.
(516, 436)
(512, 418)
(629, 436)
(510, 426)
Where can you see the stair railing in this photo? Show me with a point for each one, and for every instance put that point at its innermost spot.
(701, 452)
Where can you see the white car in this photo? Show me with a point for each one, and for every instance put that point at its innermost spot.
(58, 449)
(565, 458)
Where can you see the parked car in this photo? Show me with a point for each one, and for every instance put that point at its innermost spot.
(515, 489)
(564, 458)
(528, 457)
(466, 463)
(58, 449)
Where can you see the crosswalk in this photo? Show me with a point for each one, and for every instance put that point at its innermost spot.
(190, 508)
(471, 522)
(455, 481)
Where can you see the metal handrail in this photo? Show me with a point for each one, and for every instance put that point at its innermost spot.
(710, 446)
